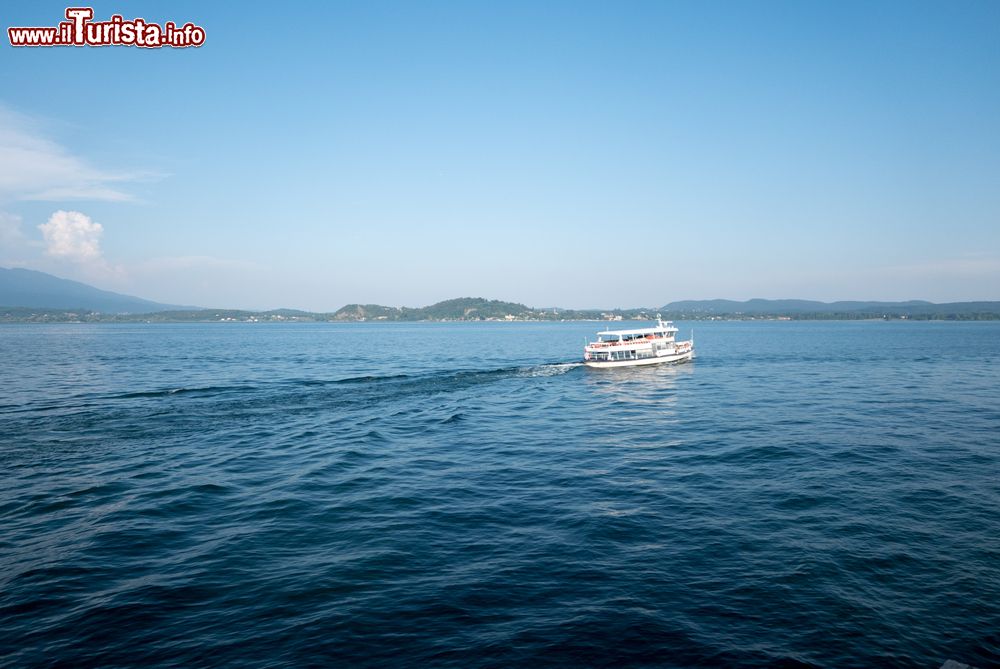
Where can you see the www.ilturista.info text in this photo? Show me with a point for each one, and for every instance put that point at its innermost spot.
(81, 30)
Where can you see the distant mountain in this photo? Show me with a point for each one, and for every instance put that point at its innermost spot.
(856, 309)
(474, 308)
(28, 288)
(462, 308)
(759, 306)
(30, 296)
(366, 312)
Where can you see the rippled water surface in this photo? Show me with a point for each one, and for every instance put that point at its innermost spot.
(468, 495)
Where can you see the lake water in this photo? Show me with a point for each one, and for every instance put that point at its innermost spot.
(468, 495)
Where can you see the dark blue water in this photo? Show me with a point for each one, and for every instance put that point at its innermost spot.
(466, 495)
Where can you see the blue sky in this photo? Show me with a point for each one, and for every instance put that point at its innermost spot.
(557, 153)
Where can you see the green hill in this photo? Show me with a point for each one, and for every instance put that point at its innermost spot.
(462, 308)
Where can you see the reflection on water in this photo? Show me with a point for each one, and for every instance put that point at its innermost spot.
(645, 385)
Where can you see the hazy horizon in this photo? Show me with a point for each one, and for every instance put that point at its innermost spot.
(540, 307)
(565, 154)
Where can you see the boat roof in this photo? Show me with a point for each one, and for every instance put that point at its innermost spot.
(666, 325)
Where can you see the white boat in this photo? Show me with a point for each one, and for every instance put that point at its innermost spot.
(643, 346)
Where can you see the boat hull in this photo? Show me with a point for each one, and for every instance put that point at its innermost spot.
(676, 357)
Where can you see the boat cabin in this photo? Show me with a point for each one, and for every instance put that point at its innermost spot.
(624, 337)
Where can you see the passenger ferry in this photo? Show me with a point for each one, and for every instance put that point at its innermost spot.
(644, 346)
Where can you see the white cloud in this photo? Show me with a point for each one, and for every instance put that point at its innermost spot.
(72, 235)
(33, 167)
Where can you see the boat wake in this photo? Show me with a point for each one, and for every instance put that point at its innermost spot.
(431, 381)
(465, 376)
(551, 369)
(293, 392)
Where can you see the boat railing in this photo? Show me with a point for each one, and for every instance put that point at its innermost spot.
(629, 342)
